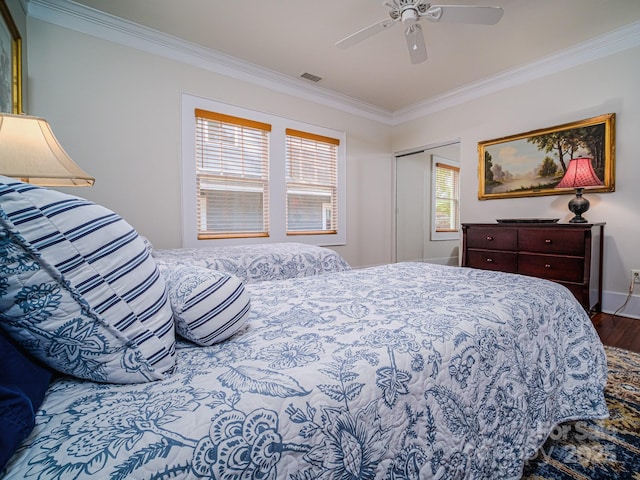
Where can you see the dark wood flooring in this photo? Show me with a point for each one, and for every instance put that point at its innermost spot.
(617, 331)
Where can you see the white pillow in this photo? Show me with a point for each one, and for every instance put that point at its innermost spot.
(79, 289)
(208, 305)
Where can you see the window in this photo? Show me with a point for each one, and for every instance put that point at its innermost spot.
(446, 199)
(250, 177)
(232, 164)
(311, 183)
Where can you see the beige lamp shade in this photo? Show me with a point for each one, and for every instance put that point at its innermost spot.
(30, 152)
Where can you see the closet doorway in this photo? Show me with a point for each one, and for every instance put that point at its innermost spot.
(415, 218)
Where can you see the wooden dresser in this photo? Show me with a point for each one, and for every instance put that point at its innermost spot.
(566, 253)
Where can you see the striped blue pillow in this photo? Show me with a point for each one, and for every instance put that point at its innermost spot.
(208, 305)
(79, 289)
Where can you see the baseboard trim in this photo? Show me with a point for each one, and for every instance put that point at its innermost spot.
(612, 301)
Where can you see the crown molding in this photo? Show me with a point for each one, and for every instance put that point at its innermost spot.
(68, 14)
(98, 24)
(603, 46)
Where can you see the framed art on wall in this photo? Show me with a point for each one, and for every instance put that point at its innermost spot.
(10, 63)
(533, 163)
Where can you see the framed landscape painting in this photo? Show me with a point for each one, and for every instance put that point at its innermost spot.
(533, 163)
(10, 63)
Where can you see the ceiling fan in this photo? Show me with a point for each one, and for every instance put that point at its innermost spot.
(409, 13)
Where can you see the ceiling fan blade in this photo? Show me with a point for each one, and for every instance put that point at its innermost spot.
(415, 42)
(464, 14)
(365, 33)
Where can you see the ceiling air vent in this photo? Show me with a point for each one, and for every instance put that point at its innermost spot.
(311, 76)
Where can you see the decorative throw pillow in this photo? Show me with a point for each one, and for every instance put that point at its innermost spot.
(79, 289)
(208, 305)
(147, 244)
(23, 384)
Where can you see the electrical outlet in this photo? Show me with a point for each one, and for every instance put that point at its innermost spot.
(635, 275)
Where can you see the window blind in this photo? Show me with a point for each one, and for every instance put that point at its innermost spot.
(232, 165)
(311, 182)
(447, 197)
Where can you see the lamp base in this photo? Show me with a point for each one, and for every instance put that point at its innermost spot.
(578, 206)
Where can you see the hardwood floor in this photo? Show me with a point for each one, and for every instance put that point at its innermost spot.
(618, 331)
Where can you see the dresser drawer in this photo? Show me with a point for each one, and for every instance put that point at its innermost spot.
(566, 242)
(492, 238)
(552, 267)
(491, 260)
(566, 253)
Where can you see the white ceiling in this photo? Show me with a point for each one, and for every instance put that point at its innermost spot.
(292, 37)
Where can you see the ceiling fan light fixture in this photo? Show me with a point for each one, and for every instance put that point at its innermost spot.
(409, 16)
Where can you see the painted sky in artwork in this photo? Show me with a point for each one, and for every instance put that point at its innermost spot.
(518, 157)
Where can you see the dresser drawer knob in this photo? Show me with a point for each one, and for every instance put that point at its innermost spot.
(547, 265)
(548, 240)
(489, 260)
(489, 238)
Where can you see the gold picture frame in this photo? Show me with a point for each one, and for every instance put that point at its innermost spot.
(10, 63)
(533, 163)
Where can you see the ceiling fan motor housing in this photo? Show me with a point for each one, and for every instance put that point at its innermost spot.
(409, 16)
(397, 9)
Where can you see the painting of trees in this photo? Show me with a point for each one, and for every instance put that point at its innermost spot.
(533, 163)
(565, 144)
(548, 167)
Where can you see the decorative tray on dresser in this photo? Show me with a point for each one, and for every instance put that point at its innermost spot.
(566, 253)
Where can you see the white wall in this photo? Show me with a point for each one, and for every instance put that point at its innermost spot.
(116, 110)
(602, 86)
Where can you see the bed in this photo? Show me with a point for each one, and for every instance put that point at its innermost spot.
(400, 371)
(257, 262)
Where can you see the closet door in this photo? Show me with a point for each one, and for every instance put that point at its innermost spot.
(413, 207)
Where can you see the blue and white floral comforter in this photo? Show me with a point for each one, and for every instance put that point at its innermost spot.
(255, 263)
(403, 371)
